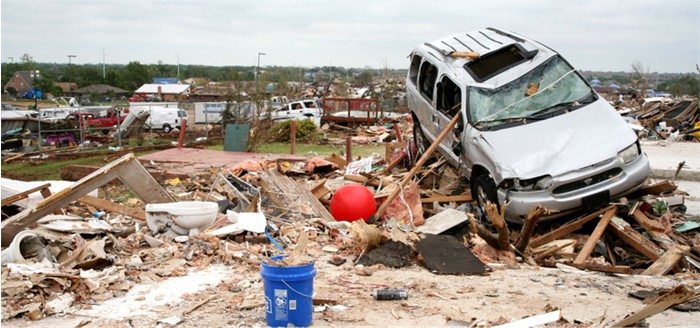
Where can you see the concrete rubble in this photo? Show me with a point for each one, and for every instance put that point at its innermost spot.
(74, 259)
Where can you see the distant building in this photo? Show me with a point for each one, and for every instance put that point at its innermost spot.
(21, 82)
(67, 88)
(165, 92)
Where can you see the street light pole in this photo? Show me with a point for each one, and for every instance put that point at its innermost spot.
(70, 87)
(257, 68)
(35, 77)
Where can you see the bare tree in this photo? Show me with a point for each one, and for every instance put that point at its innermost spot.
(640, 77)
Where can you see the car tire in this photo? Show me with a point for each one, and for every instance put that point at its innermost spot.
(484, 190)
(167, 128)
(420, 141)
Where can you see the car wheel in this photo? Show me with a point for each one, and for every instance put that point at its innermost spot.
(419, 140)
(166, 128)
(484, 191)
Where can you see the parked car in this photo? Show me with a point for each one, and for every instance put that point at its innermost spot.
(531, 131)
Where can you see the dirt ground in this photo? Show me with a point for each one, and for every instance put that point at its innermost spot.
(234, 296)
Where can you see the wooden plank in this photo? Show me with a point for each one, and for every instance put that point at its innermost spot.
(635, 239)
(113, 207)
(465, 197)
(393, 164)
(676, 296)
(448, 129)
(654, 228)
(667, 261)
(662, 187)
(595, 236)
(127, 168)
(24, 194)
(604, 268)
(566, 229)
(142, 183)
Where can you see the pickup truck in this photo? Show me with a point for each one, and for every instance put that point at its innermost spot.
(111, 119)
(298, 110)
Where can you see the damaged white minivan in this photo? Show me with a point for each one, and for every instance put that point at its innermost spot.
(532, 131)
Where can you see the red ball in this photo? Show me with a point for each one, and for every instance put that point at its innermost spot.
(353, 202)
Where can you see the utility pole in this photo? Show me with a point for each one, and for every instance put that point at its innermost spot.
(257, 68)
(70, 84)
(104, 73)
(178, 65)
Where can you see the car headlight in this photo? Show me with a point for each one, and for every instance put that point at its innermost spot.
(534, 184)
(629, 154)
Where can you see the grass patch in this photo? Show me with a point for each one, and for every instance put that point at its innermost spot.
(50, 169)
(321, 150)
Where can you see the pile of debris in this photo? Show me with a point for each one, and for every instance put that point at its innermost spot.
(83, 249)
(667, 120)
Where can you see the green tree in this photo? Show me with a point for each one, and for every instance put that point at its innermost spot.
(686, 85)
(135, 75)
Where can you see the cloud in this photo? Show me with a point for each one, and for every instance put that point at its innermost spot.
(593, 35)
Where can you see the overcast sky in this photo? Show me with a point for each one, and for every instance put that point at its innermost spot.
(663, 35)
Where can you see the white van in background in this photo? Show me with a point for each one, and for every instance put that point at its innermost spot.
(162, 116)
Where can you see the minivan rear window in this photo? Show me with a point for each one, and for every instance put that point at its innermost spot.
(498, 61)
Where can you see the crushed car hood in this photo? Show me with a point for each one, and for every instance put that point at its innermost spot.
(561, 144)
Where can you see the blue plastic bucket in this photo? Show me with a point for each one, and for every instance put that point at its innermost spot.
(288, 294)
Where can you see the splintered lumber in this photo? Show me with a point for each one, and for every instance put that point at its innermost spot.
(567, 228)
(419, 164)
(529, 227)
(319, 189)
(394, 163)
(113, 207)
(126, 168)
(499, 223)
(662, 187)
(623, 269)
(297, 198)
(667, 261)
(676, 296)
(654, 228)
(24, 194)
(597, 233)
(471, 55)
(465, 197)
(635, 239)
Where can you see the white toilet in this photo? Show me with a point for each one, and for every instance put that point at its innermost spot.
(180, 218)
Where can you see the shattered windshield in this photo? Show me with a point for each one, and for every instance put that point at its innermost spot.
(550, 86)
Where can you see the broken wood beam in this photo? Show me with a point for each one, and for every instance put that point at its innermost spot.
(635, 239)
(662, 187)
(499, 223)
(24, 194)
(465, 197)
(529, 227)
(428, 152)
(393, 164)
(484, 233)
(126, 168)
(566, 228)
(654, 228)
(113, 207)
(667, 261)
(595, 236)
(677, 295)
(623, 269)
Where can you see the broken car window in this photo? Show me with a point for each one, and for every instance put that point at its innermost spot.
(558, 84)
